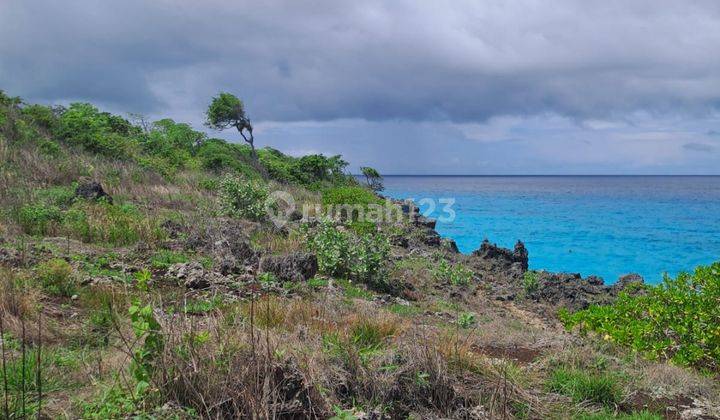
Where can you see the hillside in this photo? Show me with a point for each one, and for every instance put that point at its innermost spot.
(142, 277)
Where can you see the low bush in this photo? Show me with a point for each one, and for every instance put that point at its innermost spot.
(98, 132)
(245, 199)
(361, 258)
(678, 319)
(530, 282)
(457, 274)
(56, 277)
(349, 195)
(39, 219)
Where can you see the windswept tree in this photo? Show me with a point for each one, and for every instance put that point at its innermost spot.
(373, 178)
(226, 111)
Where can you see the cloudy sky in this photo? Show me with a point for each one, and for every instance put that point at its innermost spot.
(462, 87)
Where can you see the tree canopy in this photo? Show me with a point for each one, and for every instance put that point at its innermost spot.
(226, 111)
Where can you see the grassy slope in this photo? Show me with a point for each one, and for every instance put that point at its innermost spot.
(81, 273)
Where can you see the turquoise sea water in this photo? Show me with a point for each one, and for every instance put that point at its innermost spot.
(607, 226)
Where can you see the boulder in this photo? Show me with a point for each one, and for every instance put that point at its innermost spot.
(570, 290)
(425, 222)
(298, 266)
(92, 191)
(503, 256)
(632, 283)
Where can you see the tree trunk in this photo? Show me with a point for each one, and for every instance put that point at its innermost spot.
(249, 140)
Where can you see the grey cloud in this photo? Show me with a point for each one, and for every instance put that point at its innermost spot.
(290, 61)
(699, 147)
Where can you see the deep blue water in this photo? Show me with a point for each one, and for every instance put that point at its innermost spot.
(607, 226)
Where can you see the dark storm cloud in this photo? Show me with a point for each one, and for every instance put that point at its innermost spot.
(460, 61)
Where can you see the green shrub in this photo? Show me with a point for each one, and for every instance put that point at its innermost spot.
(113, 403)
(369, 256)
(457, 275)
(57, 196)
(56, 277)
(349, 195)
(466, 319)
(39, 219)
(332, 247)
(582, 386)
(361, 258)
(42, 116)
(98, 132)
(244, 199)
(530, 282)
(678, 319)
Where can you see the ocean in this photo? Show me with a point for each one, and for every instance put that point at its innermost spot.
(602, 225)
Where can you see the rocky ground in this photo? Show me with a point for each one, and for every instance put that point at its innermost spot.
(496, 338)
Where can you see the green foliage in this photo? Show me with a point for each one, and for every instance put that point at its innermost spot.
(678, 319)
(404, 310)
(142, 279)
(39, 219)
(457, 275)
(582, 386)
(113, 403)
(56, 277)
(349, 195)
(41, 116)
(164, 258)
(307, 170)
(361, 258)
(245, 199)
(116, 225)
(170, 146)
(225, 110)
(466, 320)
(530, 282)
(217, 155)
(332, 247)
(372, 178)
(353, 291)
(609, 414)
(202, 306)
(341, 414)
(21, 372)
(369, 255)
(365, 338)
(98, 132)
(147, 332)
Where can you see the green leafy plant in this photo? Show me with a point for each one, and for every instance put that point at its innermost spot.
(56, 277)
(457, 275)
(39, 219)
(530, 282)
(677, 319)
(142, 279)
(466, 320)
(245, 199)
(147, 331)
(362, 258)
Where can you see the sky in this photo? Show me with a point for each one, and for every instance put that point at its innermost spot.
(406, 86)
